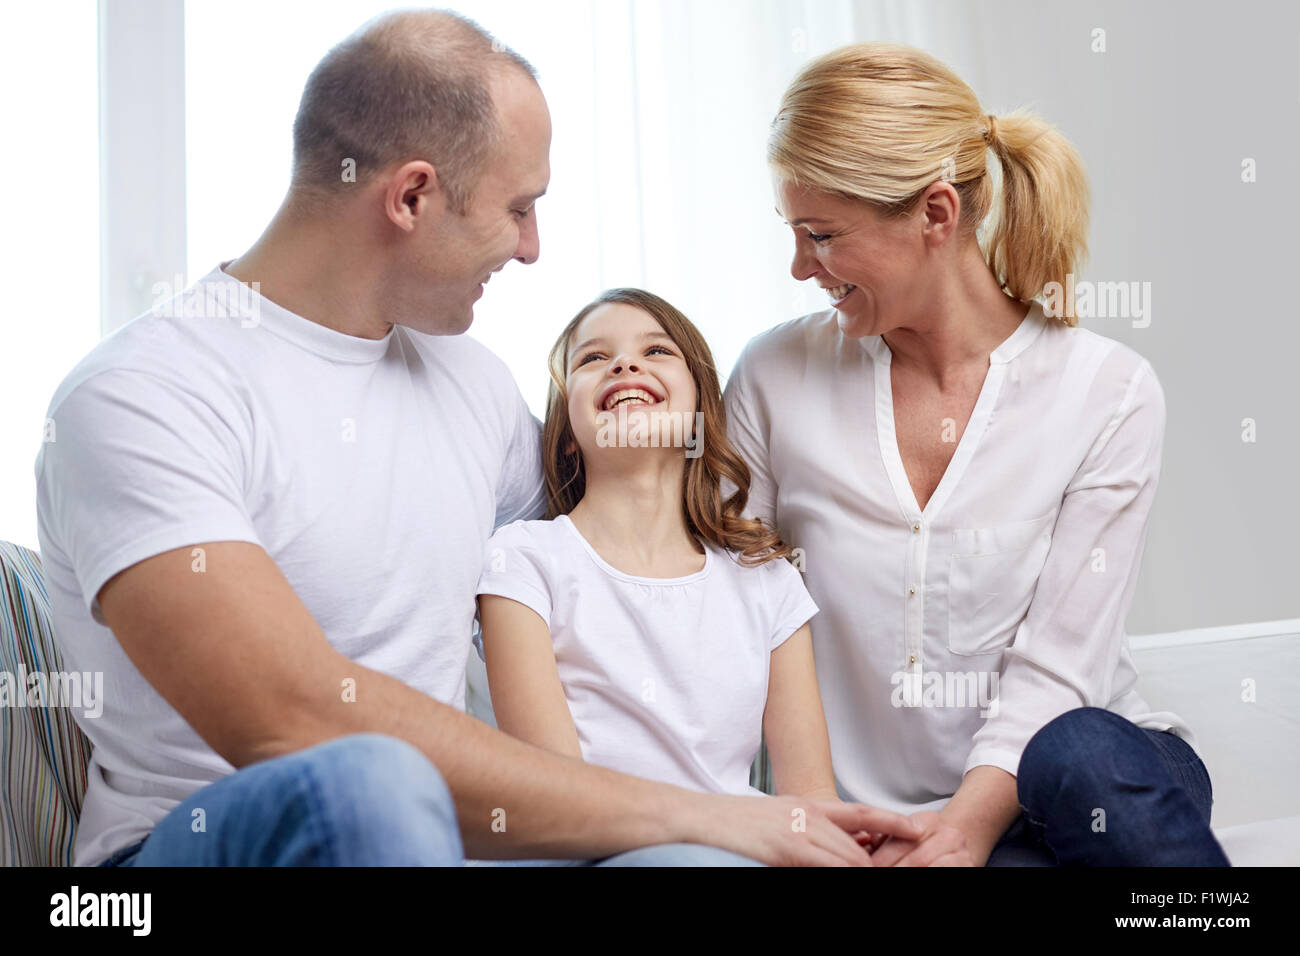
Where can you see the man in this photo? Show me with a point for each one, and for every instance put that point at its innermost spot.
(264, 513)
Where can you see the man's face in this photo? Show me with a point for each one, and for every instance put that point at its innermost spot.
(500, 223)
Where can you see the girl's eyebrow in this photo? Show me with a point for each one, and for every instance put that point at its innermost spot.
(658, 334)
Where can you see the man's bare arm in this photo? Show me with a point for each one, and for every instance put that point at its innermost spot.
(234, 650)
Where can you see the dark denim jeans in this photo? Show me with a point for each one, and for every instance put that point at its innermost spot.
(1097, 790)
(360, 800)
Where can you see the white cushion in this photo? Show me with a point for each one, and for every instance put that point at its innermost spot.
(1209, 677)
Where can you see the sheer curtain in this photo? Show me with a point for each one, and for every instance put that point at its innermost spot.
(660, 111)
(49, 264)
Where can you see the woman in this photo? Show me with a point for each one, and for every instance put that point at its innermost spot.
(968, 479)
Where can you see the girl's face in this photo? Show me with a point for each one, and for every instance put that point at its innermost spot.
(871, 267)
(628, 383)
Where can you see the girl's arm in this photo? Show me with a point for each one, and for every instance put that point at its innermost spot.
(523, 680)
(795, 724)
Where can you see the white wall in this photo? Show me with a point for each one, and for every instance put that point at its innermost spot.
(1163, 119)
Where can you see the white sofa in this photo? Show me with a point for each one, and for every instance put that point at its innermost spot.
(1238, 688)
(1251, 748)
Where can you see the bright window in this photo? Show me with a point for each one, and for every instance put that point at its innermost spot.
(49, 246)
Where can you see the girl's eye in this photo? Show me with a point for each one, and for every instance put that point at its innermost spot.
(586, 358)
(661, 348)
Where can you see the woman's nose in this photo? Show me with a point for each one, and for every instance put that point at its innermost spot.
(802, 266)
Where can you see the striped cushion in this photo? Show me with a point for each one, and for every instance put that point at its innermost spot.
(43, 754)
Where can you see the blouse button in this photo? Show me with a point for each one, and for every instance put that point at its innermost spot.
(916, 527)
(912, 659)
(911, 591)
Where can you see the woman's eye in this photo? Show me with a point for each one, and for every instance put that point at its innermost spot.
(818, 238)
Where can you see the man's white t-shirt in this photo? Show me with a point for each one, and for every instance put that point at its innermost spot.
(372, 471)
(666, 678)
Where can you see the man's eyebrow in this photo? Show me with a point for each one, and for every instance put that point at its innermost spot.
(800, 222)
(657, 334)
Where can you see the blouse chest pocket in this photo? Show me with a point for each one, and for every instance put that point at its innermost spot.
(992, 575)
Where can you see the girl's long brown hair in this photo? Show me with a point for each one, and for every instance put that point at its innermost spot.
(708, 516)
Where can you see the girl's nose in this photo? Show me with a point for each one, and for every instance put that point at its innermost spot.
(620, 363)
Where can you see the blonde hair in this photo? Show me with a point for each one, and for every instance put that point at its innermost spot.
(708, 515)
(880, 122)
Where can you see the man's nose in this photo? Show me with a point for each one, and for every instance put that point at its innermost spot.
(530, 243)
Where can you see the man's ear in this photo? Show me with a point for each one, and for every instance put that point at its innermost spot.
(413, 193)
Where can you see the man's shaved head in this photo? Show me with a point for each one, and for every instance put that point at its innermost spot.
(408, 85)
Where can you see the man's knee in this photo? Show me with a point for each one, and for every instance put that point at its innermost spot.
(379, 799)
(377, 771)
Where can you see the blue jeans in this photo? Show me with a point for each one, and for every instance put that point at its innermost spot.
(1097, 790)
(361, 800)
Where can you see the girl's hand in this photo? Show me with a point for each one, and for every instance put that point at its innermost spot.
(942, 844)
(794, 831)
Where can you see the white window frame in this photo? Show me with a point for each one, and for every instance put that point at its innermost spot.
(141, 154)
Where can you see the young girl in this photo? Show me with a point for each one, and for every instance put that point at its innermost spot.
(646, 626)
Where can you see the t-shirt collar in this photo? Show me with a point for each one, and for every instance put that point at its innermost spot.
(303, 332)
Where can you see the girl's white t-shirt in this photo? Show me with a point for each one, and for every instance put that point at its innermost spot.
(666, 678)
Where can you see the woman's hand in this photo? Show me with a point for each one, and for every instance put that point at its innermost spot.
(942, 844)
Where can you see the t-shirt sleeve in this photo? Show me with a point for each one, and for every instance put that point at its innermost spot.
(138, 465)
(521, 493)
(792, 606)
(515, 568)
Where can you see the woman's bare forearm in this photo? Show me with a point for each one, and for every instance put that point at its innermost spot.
(983, 807)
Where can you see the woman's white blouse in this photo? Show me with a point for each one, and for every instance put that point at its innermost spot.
(949, 635)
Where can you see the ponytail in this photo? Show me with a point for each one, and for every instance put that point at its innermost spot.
(1038, 234)
(880, 123)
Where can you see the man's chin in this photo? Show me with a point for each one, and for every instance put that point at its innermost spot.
(444, 324)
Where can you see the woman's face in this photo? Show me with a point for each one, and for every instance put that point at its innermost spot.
(871, 266)
(628, 383)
